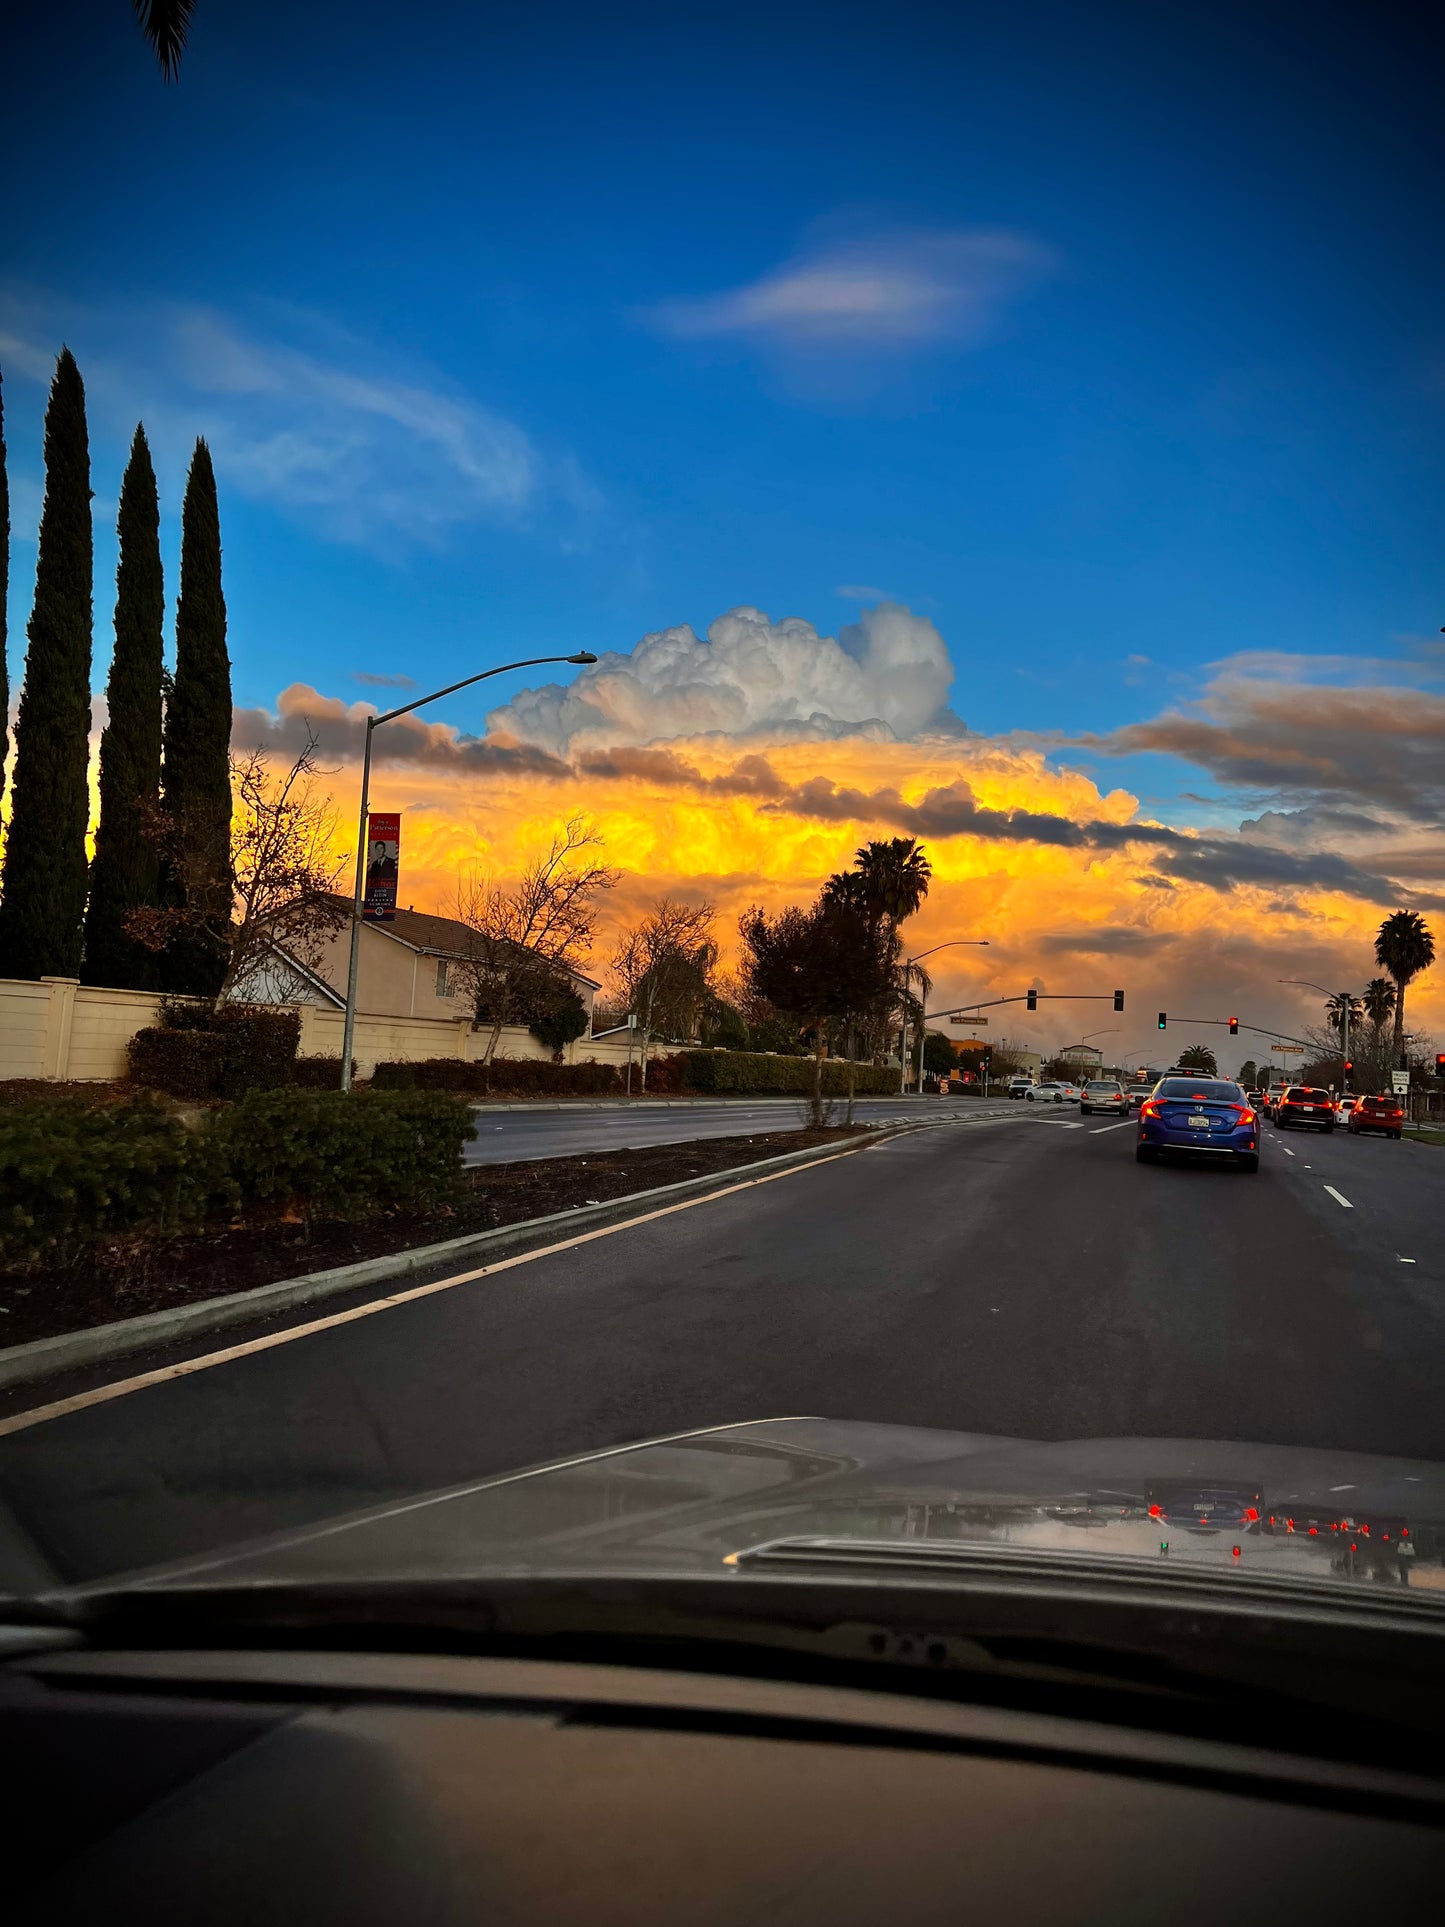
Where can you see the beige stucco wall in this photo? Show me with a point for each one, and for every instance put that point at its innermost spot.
(393, 980)
(60, 1029)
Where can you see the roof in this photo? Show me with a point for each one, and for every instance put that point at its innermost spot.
(434, 936)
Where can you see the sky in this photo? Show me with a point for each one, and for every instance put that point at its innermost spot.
(1017, 427)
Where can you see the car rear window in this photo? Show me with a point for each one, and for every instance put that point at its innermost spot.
(1216, 1090)
(1102, 1084)
(1379, 1104)
(1304, 1095)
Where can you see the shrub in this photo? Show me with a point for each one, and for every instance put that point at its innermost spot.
(730, 1072)
(330, 1154)
(215, 1052)
(319, 1073)
(71, 1174)
(184, 1063)
(503, 1077)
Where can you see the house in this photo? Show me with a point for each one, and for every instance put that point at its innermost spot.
(407, 967)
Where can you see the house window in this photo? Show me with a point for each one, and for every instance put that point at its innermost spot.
(446, 982)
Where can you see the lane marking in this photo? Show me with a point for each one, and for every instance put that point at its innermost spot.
(1338, 1196)
(1287, 1151)
(1099, 1129)
(1073, 1127)
(119, 1388)
(1404, 1261)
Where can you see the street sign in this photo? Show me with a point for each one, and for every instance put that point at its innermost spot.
(1400, 1082)
(964, 1022)
(1296, 1048)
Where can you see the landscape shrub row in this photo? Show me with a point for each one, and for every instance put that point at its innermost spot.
(736, 1072)
(503, 1077)
(73, 1175)
(198, 1052)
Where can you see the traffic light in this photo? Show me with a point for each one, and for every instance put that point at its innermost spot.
(1033, 1000)
(1349, 1065)
(1163, 1020)
(1440, 1063)
(1118, 1000)
(1234, 1027)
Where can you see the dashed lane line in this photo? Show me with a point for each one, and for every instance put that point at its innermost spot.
(1099, 1129)
(1339, 1197)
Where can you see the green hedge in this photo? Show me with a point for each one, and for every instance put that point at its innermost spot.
(72, 1175)
(503, 1077)
(333, 1155)
(319, 1073)
(199, 1052)
(751, 1072)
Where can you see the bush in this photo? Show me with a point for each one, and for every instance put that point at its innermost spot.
(735, 1072)
(503, 1077)
(215, 1052)
(329, 1154)
(71, 1174)
(184, 1063)
(319, 1073)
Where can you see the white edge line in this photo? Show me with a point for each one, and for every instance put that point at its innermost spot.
(119, 1388)
(1339, 1197)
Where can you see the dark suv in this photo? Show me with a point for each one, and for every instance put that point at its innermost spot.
(1303, 1105)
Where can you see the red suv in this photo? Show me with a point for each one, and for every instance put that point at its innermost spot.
(1302, 1105)
(1381, 1113)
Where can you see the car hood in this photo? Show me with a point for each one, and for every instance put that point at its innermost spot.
(705, 1502)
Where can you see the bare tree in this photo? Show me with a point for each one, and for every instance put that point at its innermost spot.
(284, 868)
(661, 970)
(527, 936)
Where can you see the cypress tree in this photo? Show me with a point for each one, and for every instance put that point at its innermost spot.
(4, 595)
(125, 872)
(43, 901)
(196, 771)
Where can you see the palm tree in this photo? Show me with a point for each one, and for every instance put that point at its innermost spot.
(165, 24)
(1379, 1001)
(1342, 1005)
(896, 875)
(1405, 947)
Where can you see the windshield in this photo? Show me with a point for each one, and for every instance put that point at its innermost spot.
(627, 639)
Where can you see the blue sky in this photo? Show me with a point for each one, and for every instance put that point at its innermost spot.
(508, 331)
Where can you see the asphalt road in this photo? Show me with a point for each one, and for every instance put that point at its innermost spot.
(1019, 1275)
(518, 1136)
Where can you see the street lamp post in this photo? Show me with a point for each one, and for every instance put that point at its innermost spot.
(1305, 984)
(374, 723)
(1111, 1030)
(954, 943)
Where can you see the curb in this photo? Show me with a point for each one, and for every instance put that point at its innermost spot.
(620, 1104)
(45, 1357)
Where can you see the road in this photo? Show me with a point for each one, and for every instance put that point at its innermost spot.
(518, 1136)
(1017, 1275)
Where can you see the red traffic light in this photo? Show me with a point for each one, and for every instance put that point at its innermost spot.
(1440, 1063)
(1234, 1027)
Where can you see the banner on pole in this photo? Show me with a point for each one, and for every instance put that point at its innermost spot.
(383, 853)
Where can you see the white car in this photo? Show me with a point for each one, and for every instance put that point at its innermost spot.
(1053, 1094)
(1104, 1094)
(1020, 1086)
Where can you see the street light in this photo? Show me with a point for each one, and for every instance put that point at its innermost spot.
(373, 723)
(953, 943)
(1305, 984)
(1111, 1031)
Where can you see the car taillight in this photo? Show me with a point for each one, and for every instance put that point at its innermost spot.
(1246, 1115)
(1149, 1108)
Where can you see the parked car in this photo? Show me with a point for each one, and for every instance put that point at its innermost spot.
(1193, 1115)
(1103, 1094)
(1303, 1104)
(1020, 1086)
(1382, 1113)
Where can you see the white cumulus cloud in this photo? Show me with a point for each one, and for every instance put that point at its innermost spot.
(887, 674)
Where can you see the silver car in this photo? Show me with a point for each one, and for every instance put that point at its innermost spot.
(1104, 1094)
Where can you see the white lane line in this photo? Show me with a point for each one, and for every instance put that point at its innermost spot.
(1073, 1127)
(102, 1394)
(1339, 1197)
(1287, 1151)
(1099, 1129)
(1404, 1261)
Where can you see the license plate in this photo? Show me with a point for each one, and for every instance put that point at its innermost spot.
(1198, 1123)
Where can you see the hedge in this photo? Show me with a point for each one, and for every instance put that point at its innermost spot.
(72, 1175)
(199, 1052)
(737, 1072)
(319, 1073)
(503, 1077)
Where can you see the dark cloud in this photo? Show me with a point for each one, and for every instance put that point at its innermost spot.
(365, 677)
(342, 733)
(1370, 747)
(1101, 943)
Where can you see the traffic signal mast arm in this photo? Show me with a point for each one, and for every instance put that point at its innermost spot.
(1226, 1022)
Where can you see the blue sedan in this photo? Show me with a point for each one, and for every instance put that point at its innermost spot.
(1207, 1115)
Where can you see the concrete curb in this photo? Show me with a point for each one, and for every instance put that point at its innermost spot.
(45, 1357)
(673, 1103)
